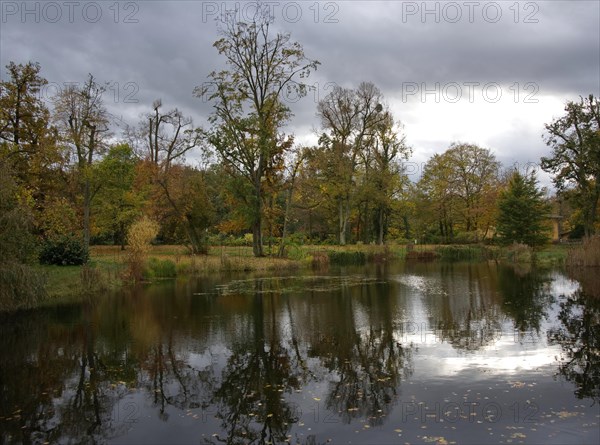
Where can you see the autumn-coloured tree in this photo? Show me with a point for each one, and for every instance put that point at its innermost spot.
(163, 139)
(28, 141)
(457, 184)
(25, 132)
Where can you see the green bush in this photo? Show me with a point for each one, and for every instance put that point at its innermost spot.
(295, 252)
(156, 268)
(344, 258)
(465, 238)
(64, 251)
(460, 252)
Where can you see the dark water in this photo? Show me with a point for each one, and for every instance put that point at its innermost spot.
(406, 353)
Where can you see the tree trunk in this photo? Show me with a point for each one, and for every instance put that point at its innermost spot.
(86, 212)
(197, 241)
(342, 223)
(381, 225)
(257, 239)
(257, 242)
(590, 214)
(286, 216)
(406, 226)
(122, 235)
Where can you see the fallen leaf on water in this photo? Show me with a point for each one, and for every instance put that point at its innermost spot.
(566, 414)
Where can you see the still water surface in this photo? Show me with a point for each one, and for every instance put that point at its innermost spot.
(403, 353)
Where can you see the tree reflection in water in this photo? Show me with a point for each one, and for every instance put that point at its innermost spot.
(526, 296)
(464, 304)
(66, 389)
(261, 371)
(249, 361)
(269, 362)
(579, 338)
(367, 369)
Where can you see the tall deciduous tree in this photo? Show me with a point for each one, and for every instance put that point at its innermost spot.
(474, 175)
(83, 121)
(575, 161)
(389, 146)
(521, 211)
(248, 109)
(436, 196)
(458, 184)
(349, 118)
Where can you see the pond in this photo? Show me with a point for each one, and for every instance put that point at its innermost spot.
(399, 353)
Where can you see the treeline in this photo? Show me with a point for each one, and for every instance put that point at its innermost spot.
(66, 175)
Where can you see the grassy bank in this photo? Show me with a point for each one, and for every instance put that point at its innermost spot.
(65, 284)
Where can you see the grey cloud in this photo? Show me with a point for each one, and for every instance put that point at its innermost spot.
(169, 51)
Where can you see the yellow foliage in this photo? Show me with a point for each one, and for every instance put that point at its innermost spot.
(140, 235)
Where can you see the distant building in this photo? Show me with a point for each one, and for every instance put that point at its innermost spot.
(557, 227)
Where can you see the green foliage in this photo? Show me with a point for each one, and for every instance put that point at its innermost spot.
(20, 286)
(461, 253)
(345, 258)
(519, 253)
(249, 113)
(24, 124)
(117, 203)
(575, 161)
(64, 251)
(17, 243)
(157, 268)
(58, 218)
(521, 212)
(295, 252)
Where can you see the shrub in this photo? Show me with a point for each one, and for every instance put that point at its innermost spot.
(140, 235)
(460, 253)
(465, 238)
(319, 260)
(64, 251)
(344, 258)
(20, 286)
(156, 268)
(519, 253)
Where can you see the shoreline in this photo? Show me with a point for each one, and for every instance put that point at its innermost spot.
(107, 265)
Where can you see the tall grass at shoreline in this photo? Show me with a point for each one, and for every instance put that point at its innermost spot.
(587, 254)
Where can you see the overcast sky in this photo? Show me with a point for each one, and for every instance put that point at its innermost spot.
(489, 73)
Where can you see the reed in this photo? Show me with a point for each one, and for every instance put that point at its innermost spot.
(587, 254)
